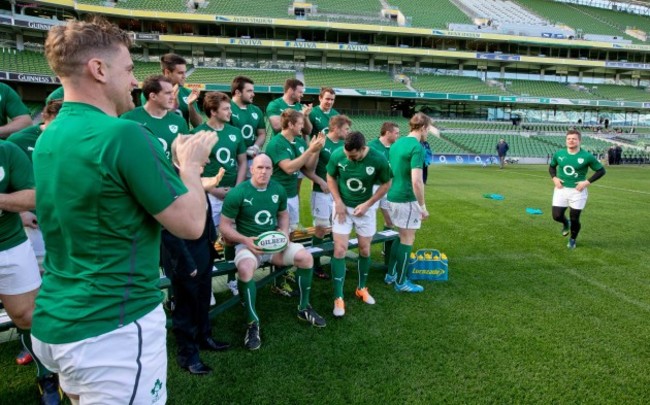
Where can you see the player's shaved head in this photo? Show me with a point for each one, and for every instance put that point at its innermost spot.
(262, 158)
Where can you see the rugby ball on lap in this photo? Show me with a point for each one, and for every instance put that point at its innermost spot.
(271, 241)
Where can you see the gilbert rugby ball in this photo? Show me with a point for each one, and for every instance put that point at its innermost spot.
(271, 241)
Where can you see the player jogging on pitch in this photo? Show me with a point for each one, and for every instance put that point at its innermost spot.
(568, 169)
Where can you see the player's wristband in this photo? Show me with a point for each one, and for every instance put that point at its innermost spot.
(423, 207)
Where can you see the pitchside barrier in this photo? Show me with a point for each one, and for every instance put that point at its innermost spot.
(223, 267)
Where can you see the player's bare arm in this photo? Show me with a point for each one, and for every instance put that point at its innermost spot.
(185, 217)
(361, 209)
(227, 229)
(336, 196)
(22, 200)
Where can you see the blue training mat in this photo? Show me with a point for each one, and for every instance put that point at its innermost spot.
(533, 211)
(494, 196)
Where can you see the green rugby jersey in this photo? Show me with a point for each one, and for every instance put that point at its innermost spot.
(26, 139)
(572, 168)
(165, 128)
(405, 154)
(11, 105)
(356, 178)
(320, 120)
(224, 153)
(100, 181)
(183, 109)
(279, 149)
(277, 106)
(255, 210)
(323, 158)
(15, 175)
(379, 147)
(248, 120)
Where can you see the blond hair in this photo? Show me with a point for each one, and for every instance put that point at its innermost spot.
(419, 121)
(69, 47)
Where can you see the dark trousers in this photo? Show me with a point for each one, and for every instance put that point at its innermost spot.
(190, 317)
(425, 173)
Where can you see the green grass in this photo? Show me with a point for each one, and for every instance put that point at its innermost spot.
(521, 320)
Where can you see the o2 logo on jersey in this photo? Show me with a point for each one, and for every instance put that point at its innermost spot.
(355, 185)
(223, 156)
(247, 131)
(263, 217)
(570, 171)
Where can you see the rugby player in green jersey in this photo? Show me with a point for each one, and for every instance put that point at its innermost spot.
(387, 136)
(229, 152)
(104, 186)
(57, 94)
(246, 116)
(294, 89)
(288, 160)
(253, 207)
(321, 198)
(321, 114)
(21, 279)
(14, 115)
(174, 67)
(350, 173)
(568, 169)
(156, 114)
(406, 203)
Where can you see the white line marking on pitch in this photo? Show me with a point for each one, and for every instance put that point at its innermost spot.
(610, 290)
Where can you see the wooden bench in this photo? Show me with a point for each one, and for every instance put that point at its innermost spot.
(228, 267)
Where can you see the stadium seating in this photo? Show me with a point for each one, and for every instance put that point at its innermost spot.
(154, 5)
(225, 76)
(590, 144)
(619, 93)
(577, 17)
(12, 60)
(268, 8)
(453, 84)
(544, 89)
(348, 7)
(501, 11)
(142, 70)
(425, 14)
(351, 79)
(520, 146)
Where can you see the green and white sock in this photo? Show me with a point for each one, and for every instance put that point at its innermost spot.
(392, 261)
(248, 291)
(338, 276)
(363, 267)
(304, 283)
(403, 252)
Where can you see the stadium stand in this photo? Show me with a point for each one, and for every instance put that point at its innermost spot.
(174, 6)
(225, 76)
(520, 146)
(619, 93)
(591, 144)
(348, 7)
(544, 89)
(501, 11)
(351, 79)
(577, 17)
(270, 9)
(142, 70)
(12, 60)
(424, 14)
(453, 84)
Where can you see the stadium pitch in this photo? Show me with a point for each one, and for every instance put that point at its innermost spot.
(522, 319)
